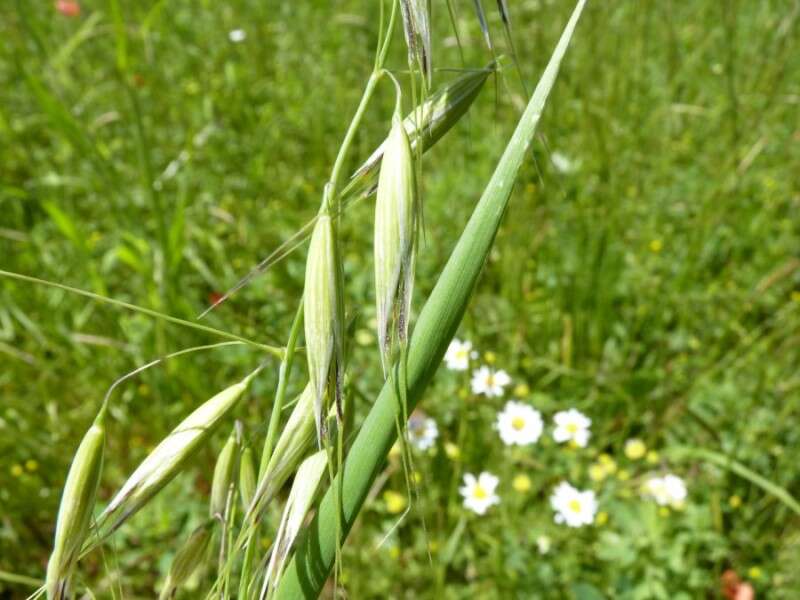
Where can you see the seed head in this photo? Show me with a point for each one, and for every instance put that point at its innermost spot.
(295, 440)
(429, 121)
(416, 26)
(304, 488)
(190, 556)
(322, 303)
(293, 445)
(223, 478)
(395, 224)
(170, 456)
(75, 511)
(247, 476)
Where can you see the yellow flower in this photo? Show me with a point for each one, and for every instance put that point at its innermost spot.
(433, 546)
(395, 502)
(31, 465)
(601, 518)
(609, 464)
(663, 511)
(463, 393)
(452, 451)
(735, 501)
(490, 358)
(17, 470)
(597, 472)
(796, 295)
(754, 573)
(656, 246)
(635, 449)
(521, 483)
(652, 457)
(623, 475)
(522, 390)
(394, 552)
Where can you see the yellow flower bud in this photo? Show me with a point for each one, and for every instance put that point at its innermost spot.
(635, 449)
(521, 483)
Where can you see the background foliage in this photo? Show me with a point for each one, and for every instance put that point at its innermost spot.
(654, 285)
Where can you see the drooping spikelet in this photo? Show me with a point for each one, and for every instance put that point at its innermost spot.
(75, 511)
(169, 457)
(429, 121)
(322, 304)
(187, 559)
(293, 444)
(395, 235)
(247, 477)
(223, 478)
(304, 488)
(417, 29)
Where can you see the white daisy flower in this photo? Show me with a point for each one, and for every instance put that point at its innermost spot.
(676, 489)
(237, 35)
(562, 163)
(572, 426)
(573, 507)
(488, 382)
(519, 424)
(478, 492)
(669, 490)
(458, 355)
(422, 431)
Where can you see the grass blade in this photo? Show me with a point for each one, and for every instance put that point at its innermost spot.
(734, 466)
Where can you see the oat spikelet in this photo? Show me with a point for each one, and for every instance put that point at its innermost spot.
(170, 456)
(223, 478)
(417, 29)
(323, 316)
(190, 556)
(304, 489)
(395, 224)
(75, 511)
(247, 476)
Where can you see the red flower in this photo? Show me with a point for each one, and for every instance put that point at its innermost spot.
(68, 8)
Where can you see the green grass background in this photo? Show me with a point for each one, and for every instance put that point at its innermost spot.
(146, 157)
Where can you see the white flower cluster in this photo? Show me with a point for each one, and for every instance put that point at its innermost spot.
(669, 490)
(485, 380)
(520, 424)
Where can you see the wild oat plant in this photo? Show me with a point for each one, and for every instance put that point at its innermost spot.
(257, 542)
(330, 465)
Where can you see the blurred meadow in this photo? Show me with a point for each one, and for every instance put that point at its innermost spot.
(647, 274)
